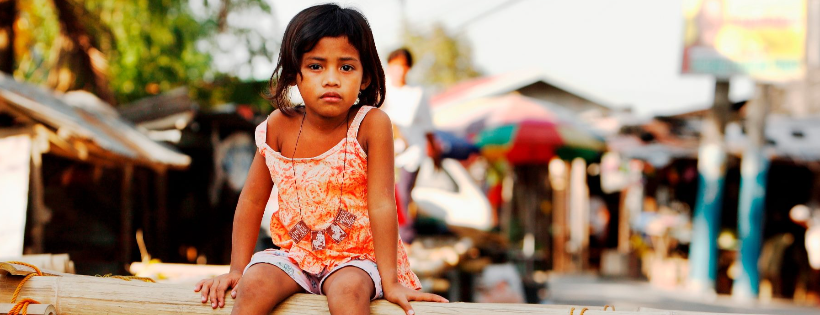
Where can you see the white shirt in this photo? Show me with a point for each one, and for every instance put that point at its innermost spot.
(409, 109)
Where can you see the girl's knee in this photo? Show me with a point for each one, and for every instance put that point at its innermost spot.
(262, 276)
(253, 275)
(351, 283)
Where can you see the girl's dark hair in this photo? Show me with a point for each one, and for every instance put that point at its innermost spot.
(303, 33)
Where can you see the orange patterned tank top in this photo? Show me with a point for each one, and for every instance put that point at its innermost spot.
(319, 184)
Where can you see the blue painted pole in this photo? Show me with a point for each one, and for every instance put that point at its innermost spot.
(703, 251)
(753, 171)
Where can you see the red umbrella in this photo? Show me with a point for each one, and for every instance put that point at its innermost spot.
(532, 141)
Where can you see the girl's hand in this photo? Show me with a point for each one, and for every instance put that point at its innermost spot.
(400, 295)
(215, 288)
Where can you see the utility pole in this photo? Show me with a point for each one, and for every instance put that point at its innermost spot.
(753, 170)
(703, 251)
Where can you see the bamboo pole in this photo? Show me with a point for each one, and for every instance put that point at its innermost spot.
(33, 309)
(73, 294)
(92, 295)
(54, 262)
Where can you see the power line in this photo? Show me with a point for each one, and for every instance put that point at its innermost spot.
(485, 14)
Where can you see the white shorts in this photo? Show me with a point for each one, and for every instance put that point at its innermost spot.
(312, 283)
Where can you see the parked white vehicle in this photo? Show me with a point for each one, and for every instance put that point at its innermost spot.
(452, 196)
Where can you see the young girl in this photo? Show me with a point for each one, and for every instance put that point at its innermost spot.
(332, 161)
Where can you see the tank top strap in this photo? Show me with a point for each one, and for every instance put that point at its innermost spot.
(261, 135)
(357, 121)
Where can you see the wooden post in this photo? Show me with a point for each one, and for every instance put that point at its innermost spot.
(579, 214)
(8, 15)
(623, 223)
(507, 186)
(41, 215)
(126, 214)
(162, 211)
(558, 181)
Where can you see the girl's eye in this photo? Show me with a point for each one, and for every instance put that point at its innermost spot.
(347, 68)
(314, 67)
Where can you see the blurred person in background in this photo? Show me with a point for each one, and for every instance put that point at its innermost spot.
(409, 109)
(808, 216)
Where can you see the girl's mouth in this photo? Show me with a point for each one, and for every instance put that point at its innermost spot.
(331, 97)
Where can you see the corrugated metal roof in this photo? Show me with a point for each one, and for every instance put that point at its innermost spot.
(505, 83)
(159, 106)
(82, 115)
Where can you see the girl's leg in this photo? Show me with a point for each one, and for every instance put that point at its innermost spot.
(262, 287)
(349, 291)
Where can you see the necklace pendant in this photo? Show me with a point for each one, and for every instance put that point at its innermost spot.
(318, 240)
(337, 234)
(299, 231)
(345, 218)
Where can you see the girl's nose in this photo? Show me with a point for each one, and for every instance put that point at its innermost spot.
(331, 78)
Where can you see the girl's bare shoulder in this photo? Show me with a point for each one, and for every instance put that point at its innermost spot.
(375, 128)
(279, 123)
(376, 120)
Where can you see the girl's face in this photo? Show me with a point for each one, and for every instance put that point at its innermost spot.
(332, 77)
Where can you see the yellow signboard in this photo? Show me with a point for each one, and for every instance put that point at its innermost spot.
(763, 39)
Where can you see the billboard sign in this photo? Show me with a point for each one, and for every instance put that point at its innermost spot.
(762, 39)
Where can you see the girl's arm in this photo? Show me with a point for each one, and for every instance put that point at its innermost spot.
(381, 198)
(381, 204)
(249, 211)
(248, 215)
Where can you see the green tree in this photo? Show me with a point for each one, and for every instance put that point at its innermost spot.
(123, 50)
(441, 59)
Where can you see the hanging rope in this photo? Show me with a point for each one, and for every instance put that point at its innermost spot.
(583, 310)
(21, 308)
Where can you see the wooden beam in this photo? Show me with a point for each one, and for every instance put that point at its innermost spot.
(17, 131)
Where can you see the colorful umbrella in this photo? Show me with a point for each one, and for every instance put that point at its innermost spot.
(454, 147)
(469, 118)
(537, 142)
(520, 129)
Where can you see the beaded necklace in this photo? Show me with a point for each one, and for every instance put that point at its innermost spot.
(343, 218)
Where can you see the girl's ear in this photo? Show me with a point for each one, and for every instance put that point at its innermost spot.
(365, 83)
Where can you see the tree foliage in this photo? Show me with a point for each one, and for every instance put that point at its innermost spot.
(147, 46)
(441, 59)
